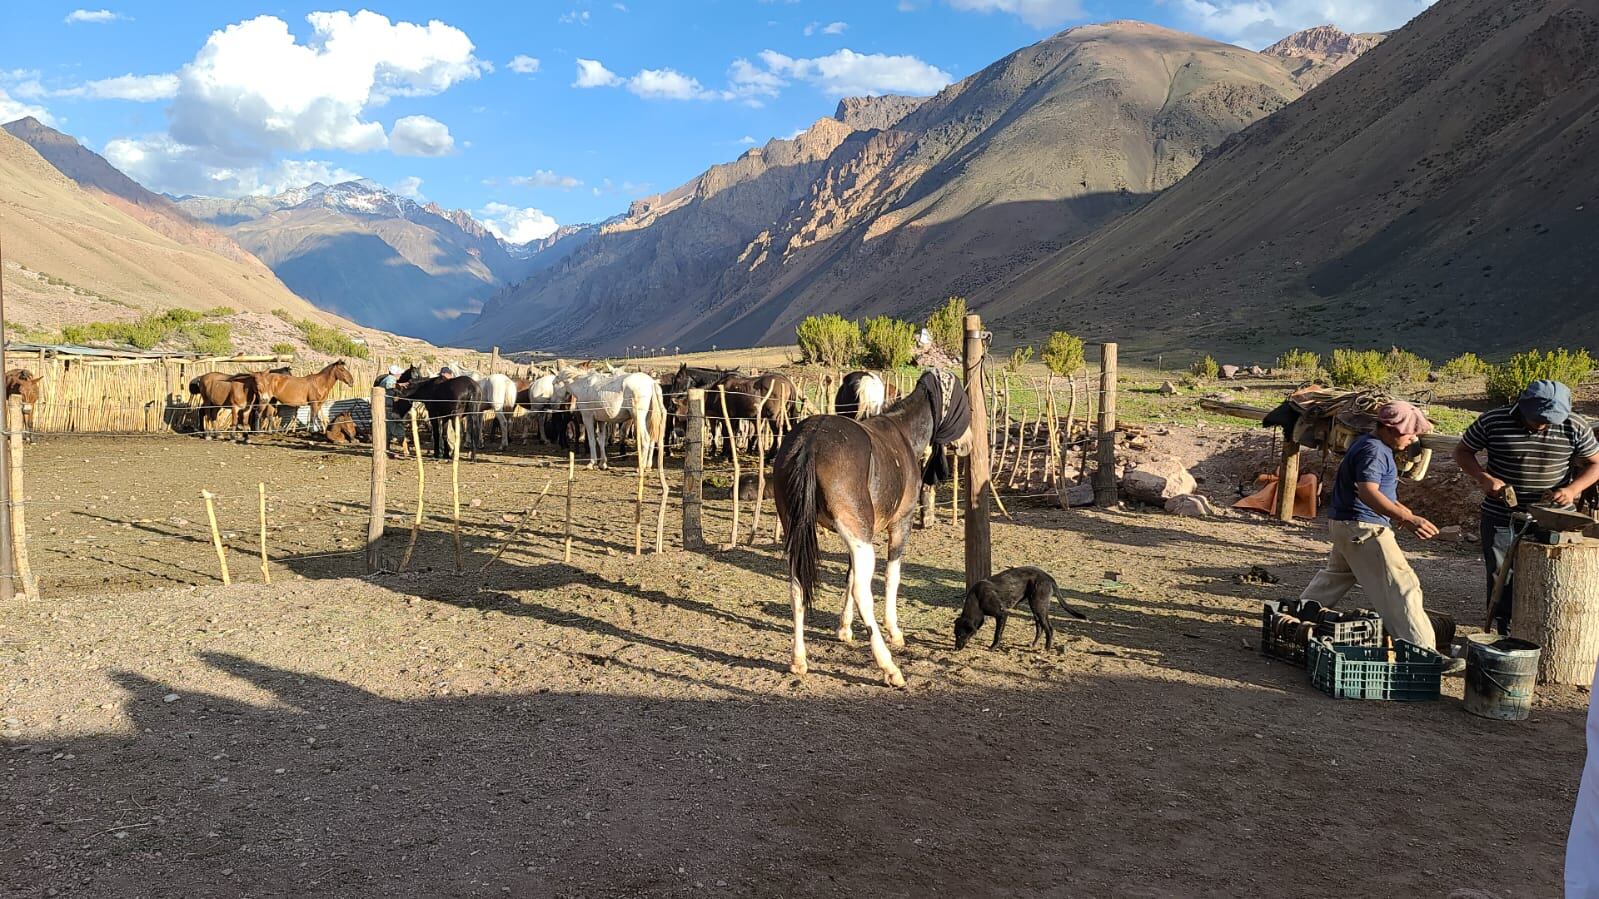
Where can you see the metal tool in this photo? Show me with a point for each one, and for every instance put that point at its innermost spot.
(1520, 522)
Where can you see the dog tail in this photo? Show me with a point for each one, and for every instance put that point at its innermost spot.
(1055, 591)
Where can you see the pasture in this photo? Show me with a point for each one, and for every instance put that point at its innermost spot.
(625, 726)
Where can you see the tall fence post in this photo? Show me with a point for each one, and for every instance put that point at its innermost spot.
(378, 507)
(979, 550)
(19, 533)
(1105, 493)
(694, 471)
(1288, 479)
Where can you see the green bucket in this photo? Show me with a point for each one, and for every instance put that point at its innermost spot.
(1500, 675)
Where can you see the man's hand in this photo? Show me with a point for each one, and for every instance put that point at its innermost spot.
(1491, 485)
(1424, 529)
(1565, 496)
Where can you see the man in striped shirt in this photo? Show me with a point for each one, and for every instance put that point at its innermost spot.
(1539, 449)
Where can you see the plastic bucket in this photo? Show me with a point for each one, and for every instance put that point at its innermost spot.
(1500, 675)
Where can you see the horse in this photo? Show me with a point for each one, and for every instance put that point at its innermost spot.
(497, 398)
(401, 380)
(235, 392)
(859, 478)
(23, 384)
(536, 396)
(295, 391)
(607, 399)
(446, 400)
(860, 395)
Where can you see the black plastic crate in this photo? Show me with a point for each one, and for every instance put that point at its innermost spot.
(1364, 628)
(1363, 672)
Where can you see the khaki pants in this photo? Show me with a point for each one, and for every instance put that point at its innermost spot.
(1368, 555)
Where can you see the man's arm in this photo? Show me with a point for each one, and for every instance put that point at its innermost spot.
(1371, 494)
(1466, 458)
(1569, 494)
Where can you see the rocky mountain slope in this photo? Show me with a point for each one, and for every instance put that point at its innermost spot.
(1440, 194)
(371, 255)
(1316, 54)
(922, 200)
(76, 253)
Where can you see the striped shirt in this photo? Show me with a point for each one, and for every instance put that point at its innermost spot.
(1531, 463)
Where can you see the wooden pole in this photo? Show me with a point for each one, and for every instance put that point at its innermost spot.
(1105, 492)
(1021, 442)
(638, 507)
(760, 465)
(377, 506)
(927, 512)
(494, 360)
(216, 534)
(8, 568)
(266, 573)
(1557, 607)
(455, 490)
(979, 551)
(694, 471)
(660, 518)
(1053, 434)
(526, 517)
(732, 444)
(1004, 423)
(571, 478)
(1288, 479)
(421, 484)
(19, 533)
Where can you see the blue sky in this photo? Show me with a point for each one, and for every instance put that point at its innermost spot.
(529, 113)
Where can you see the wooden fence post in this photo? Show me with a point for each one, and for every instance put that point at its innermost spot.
(1105, 493)
(378, 505)
(979, 550)
(266, 573)
(421, 486)
(732, 445)
(216, 535)
(25, 583)
(694, 471)
(494, 360)
(927, 512)
(571, 478)
(455, 490)
(760, 465)
(1288, 479)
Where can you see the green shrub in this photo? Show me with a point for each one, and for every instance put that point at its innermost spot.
(1300, 361)
(1507, 381)
(1359, 368)
(283, 349)
(218, 312)
(151, 330)
(1406, 366)
(1206, 369)
(888, 343)
(1064, 354)
(1465, 365)
(947, 326)
(830, 340)
(1019, 358)
(330, 341)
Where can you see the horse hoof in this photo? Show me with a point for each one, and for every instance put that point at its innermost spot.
(896, 640)
(798, 668)
(846, 637)
(895, 679)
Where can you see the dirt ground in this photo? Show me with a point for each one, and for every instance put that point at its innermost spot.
(629, 727)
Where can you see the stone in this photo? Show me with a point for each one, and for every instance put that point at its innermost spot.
(1079, 495)
(1156, 480)
(1229, 372)
(1190, 505)
(1167, 388)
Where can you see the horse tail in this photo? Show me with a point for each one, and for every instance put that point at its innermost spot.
(799, 536)
(194, 386)
(657, 420)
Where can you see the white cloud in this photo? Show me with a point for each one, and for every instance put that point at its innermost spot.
(668, 84)
(516, 225)
(546, 178)
(1037, 13)
(95, 16)
(575, 17)
(591, 73)
(619, 7)
(846, 73)
(11, 110)
(410, 186)
(749, 80)
(419, 135)
(253, 88)
(139, 88)
(1257, 23)
(829, 28)
(746, 139)
(523, 64)
(162, 164)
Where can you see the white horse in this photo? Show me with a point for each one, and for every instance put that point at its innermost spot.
(604, 399)
(538, 401)
(497, 401)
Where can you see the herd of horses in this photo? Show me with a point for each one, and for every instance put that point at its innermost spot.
(857, 472)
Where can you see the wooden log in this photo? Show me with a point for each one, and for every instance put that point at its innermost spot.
(1557, 607)
(24, 581)
(377, 505)
(421, 485)
(1288, 481)
(694, 471)
(266, 573)
(1105, 492)
(979, 548)
(732, 445)
(216, 534)
(571, 478)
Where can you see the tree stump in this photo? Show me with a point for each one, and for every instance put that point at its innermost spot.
(1557, 607)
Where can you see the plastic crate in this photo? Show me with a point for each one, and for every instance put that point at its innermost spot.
(1363, 672)
(1365, 630)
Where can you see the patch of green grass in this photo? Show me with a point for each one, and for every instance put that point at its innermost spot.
(149, 331)
(325, 340)
(283, 349)
(1450, 419)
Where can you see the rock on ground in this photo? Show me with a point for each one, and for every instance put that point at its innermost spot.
(1157, 480)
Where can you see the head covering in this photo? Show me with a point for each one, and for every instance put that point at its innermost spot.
(446, 369)
(952, 416)
(1546, 402)
(1404, 418)
(395, 370)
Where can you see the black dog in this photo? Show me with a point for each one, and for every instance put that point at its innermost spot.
(1004, 591)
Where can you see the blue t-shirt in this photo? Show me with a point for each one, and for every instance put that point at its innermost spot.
(1368, 460)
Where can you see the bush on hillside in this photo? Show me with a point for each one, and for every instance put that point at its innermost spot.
(830, 340)
(947, 326)
(1019, 358)
(1359, 368)
(153, 329)
(1465, 365)
(1297, 360)
(1064, 354)
(1507, 381)
(1206, 369)
(1406, 366)
(888, 343)
(283, 349)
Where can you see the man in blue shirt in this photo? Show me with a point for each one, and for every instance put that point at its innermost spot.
(1364, 512)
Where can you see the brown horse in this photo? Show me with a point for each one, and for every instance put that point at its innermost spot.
(295, 391)
(22, 384)
(237, 393)
(860, 478)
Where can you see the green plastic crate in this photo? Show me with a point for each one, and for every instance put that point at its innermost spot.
(1363, 672)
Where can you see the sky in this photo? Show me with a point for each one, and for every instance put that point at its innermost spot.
(527, 114)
